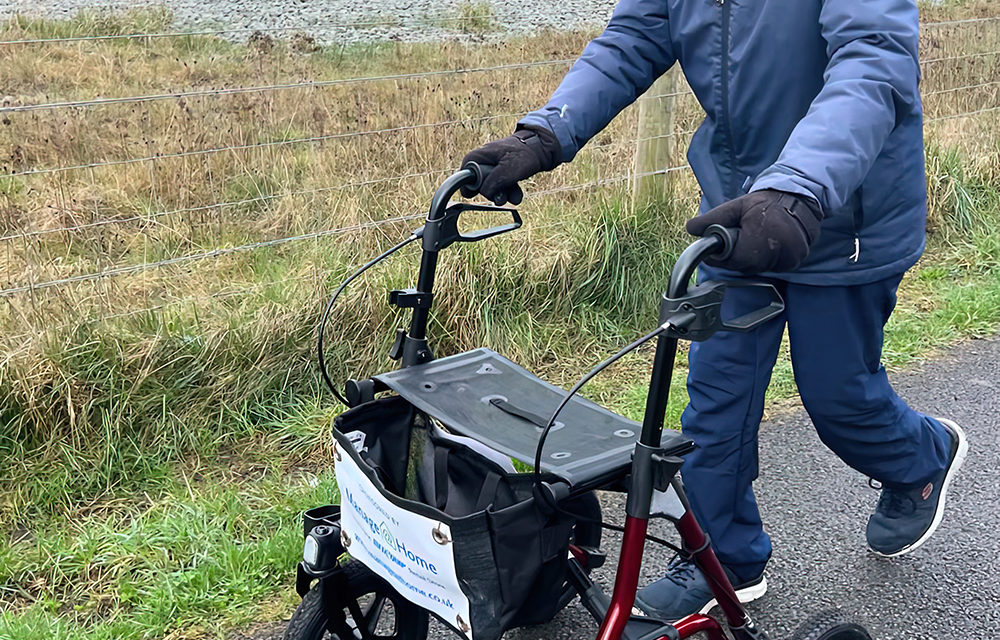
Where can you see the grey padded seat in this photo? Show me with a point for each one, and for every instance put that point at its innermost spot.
(484, 396)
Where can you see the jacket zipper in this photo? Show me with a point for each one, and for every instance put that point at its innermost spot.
(724, 116)
(857, 219)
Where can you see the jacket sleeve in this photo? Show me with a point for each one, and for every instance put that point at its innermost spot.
(870, 86)
(614, 69)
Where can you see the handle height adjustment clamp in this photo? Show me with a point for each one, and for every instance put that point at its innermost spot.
(410, 299)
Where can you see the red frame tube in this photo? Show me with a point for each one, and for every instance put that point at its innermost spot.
(626, 580)
(694, 538)
(700, 624)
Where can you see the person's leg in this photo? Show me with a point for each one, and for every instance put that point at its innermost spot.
(836, 335)
(728, 376)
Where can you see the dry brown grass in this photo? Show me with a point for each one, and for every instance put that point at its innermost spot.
(63, 137)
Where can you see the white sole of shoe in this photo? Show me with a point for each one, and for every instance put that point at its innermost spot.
(745, 595)
(956, 464)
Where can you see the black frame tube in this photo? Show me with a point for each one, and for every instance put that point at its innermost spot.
(428, 259)
(666, 347)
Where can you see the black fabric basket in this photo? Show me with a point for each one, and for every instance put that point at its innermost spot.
(510, 549)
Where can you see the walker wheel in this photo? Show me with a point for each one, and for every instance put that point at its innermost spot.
(384, 614)
(832, 624)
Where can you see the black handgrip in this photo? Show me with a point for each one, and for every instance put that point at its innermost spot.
(480, 173)
(727, 236)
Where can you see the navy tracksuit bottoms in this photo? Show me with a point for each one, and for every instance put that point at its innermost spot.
(835, 338)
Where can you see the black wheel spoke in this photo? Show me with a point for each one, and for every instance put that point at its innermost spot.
(360, 625)
(355, 605)
(374, 612)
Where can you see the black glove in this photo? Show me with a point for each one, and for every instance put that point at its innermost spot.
(776, 230)
(515, 158)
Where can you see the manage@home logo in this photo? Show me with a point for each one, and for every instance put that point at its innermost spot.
(386, 541)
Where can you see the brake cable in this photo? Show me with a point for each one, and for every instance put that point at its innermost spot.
(552, 421)
(579, 385)
(416, 235)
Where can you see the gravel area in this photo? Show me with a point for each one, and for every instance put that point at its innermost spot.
(348, 21)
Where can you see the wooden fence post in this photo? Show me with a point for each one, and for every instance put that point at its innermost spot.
(655, 146)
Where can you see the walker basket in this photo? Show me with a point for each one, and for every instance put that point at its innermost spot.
(453, 530)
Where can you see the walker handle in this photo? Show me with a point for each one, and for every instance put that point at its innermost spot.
(481, 172)
(727, 236)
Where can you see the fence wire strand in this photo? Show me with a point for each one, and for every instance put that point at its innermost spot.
(951, 23)
(216, 295)
(309, 84)
(221, 205)
(971, 87)
(214, 253)
(967, 56)
(259, 145)
(967, 114)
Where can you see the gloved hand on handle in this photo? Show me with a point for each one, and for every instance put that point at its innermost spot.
(777, 229)
(517, 157)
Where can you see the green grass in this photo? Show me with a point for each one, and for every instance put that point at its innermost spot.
(96, 23)
(206, 553)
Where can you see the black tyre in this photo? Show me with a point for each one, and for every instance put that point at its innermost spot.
(384, 613)
(830, 625)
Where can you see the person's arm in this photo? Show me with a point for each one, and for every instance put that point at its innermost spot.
(870, 86)
(614, 69)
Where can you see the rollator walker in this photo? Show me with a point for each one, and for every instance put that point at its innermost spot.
(436, 520)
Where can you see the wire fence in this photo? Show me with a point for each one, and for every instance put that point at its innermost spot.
(309, 84)
(259, 145)
(316, 84)
(39, 257)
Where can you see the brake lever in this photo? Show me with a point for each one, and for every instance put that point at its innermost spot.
(752, 320)
(443, 232)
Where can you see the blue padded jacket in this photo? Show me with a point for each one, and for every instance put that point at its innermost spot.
(816, 97)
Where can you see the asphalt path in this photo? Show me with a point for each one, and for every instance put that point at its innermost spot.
(815, 509)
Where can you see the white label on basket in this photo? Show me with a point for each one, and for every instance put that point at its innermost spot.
(411, 552)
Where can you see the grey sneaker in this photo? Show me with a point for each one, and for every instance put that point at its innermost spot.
(905, 519)
(685, 590)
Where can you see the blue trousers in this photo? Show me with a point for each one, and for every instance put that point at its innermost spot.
(835, 338)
